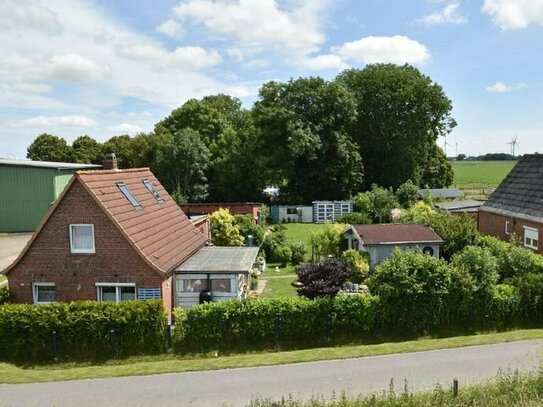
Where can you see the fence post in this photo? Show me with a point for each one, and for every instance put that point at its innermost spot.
(54, 345)
(112, 340)
(455, 388)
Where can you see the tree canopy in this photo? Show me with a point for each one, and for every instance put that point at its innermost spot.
(47, 147)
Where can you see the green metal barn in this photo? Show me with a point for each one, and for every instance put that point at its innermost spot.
(27, 189)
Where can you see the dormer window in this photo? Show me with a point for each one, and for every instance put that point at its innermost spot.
(129, 195)
(149, 185)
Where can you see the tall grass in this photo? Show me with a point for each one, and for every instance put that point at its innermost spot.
(507, 389)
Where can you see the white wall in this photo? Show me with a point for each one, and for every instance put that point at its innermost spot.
(306, 211)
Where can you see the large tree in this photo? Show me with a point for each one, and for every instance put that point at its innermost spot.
(401, 113)
(123, 147)
(303, 144)
(47, 147)
(181, 163)
(87, 150)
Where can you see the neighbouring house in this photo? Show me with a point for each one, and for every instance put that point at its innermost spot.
(329, 211)
(115, 235)
(516, 206)
(291, 213)
(28, 190)
(441, 193)
(379, 241)
(235, 208)
(468, 206)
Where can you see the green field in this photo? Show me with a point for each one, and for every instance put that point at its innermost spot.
(480, 174)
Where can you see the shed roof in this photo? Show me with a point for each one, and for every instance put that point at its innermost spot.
(396, 234)
(47, 164)
(441, 193)
(521, 193)
(456, 206)
(220, 259)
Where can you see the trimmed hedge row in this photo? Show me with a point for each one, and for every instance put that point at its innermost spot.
(85, 330)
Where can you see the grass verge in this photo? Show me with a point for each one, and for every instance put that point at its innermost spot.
(168, 363)
(279, 287)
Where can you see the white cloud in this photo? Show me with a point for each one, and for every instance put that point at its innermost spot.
(323, 62)
(125, 128)
(31, 14)
(501, 87)
(397, 49)
(259, 23)
(514, 14)
(45, 122)
(170, 27)
(74, 67)
(449, 15)
(182, 57)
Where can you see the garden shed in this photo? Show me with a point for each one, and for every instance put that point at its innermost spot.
(291, 213)
(28, 190)
(379, 241)
(329, 211)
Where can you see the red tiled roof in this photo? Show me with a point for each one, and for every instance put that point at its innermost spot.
(160, 232)
(396, 233)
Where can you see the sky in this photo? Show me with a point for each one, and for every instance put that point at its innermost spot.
(105, 68)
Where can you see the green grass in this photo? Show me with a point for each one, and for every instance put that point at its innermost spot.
(507, 389)
(480, 174)
(171, 364)
(299, 232)
(278, 287)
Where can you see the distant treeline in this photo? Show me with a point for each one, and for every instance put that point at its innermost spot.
(487, 157)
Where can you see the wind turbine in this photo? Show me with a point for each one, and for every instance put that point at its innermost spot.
(513, 143)
(445, 144)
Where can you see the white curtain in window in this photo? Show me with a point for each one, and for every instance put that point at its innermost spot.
(82, 237)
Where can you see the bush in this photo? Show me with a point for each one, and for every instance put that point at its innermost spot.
(298, 252)
(324, 278)
(282, 254)
(83, 330)
(530, 288)
(358, 263)
(414, 290)
(5, 296)
(224, 230)
(354, 218)
(480, 264)
(247, 226)
(328, 241)
(267, 323)
(276, 237)
(377, 203)
(501, 307)
(407, 194)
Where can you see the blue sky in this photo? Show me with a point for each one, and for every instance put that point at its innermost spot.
(103, 68)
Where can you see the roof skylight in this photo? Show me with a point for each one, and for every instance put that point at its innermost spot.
(152, 190)
(129, 195)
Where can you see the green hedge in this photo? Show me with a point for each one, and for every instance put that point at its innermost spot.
(83, 330)
(268, 322)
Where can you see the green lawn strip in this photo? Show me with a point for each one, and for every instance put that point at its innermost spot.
(279, 287)
(172, 364)
(283, 270)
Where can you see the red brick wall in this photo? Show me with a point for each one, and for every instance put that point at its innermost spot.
(494, 225)
(49, 259)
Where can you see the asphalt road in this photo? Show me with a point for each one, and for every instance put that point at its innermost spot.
(235, 387)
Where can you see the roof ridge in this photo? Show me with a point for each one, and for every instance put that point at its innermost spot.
(113, 171)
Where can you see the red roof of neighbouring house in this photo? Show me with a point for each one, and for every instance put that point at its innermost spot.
(157, 228)
(395, 234)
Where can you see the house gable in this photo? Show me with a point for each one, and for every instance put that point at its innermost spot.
(48, 257)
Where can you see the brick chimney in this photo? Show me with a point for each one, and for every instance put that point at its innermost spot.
(109, 162)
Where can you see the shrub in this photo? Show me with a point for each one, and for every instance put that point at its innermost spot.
(500, 308)
(377, 203)
(354, 218)
(298, 252)
(328, 241)
(407, 194)
(276, 237)
(282, 254)
(530, 288)
(224, 230)
(324, 278)
(267, 322)
(358, 263)
(5, 295)
(247, 226)
(83, 330)
(480, 264)
(414, 290)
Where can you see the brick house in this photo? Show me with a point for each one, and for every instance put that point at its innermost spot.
(516, 206)
(112, 235)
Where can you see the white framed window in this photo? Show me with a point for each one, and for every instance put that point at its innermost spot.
(192, 283)
(223, 283)
(115, 292)
(507, 230)
(531, 238)
(82, 238)
(43, 293)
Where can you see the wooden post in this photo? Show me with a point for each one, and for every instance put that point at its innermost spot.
(455, 388)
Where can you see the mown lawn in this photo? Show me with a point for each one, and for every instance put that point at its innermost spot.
(480, 174)
(278, 287)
